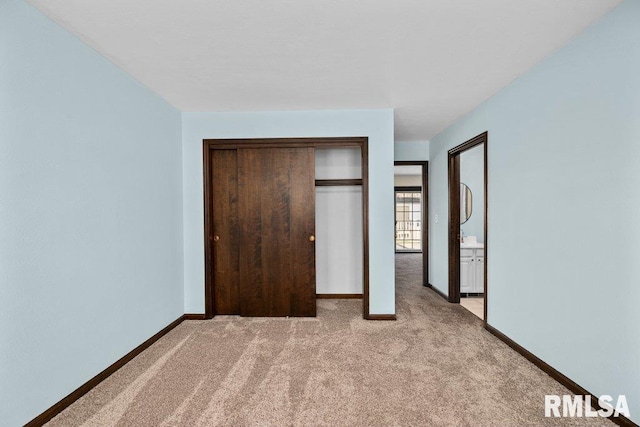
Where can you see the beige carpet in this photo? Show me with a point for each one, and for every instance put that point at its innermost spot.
(434, 366)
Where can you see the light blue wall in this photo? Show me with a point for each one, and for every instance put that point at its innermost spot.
(90, 213)
(564, 198)
(375, 124)
(412, 150)
(472, 174)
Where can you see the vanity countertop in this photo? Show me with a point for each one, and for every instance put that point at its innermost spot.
(471, 245)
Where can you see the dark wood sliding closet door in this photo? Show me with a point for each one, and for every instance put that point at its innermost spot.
(264, 231)
(226, 239)
(276, 194)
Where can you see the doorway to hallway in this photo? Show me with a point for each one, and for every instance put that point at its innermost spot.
(411, 209)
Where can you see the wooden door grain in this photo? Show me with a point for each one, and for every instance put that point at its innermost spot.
(276, 207)
(226, 233)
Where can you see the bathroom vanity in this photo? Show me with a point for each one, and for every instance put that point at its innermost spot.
(472, 268)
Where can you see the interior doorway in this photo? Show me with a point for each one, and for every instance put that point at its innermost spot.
(411, 209)
(468, 210)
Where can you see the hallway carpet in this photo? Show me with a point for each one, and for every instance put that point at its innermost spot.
(434, 366)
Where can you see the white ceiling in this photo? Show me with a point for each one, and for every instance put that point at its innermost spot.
(430, 60)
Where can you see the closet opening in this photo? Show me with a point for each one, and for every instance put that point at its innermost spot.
(286, 222)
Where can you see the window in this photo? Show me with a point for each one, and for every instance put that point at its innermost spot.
(408, 219)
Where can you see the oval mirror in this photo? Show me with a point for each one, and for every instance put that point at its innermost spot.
(466, 201)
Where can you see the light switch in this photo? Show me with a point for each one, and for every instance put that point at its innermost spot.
(436, 218)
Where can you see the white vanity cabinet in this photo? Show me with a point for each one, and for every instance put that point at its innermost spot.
(472, 269)
(467, 267)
